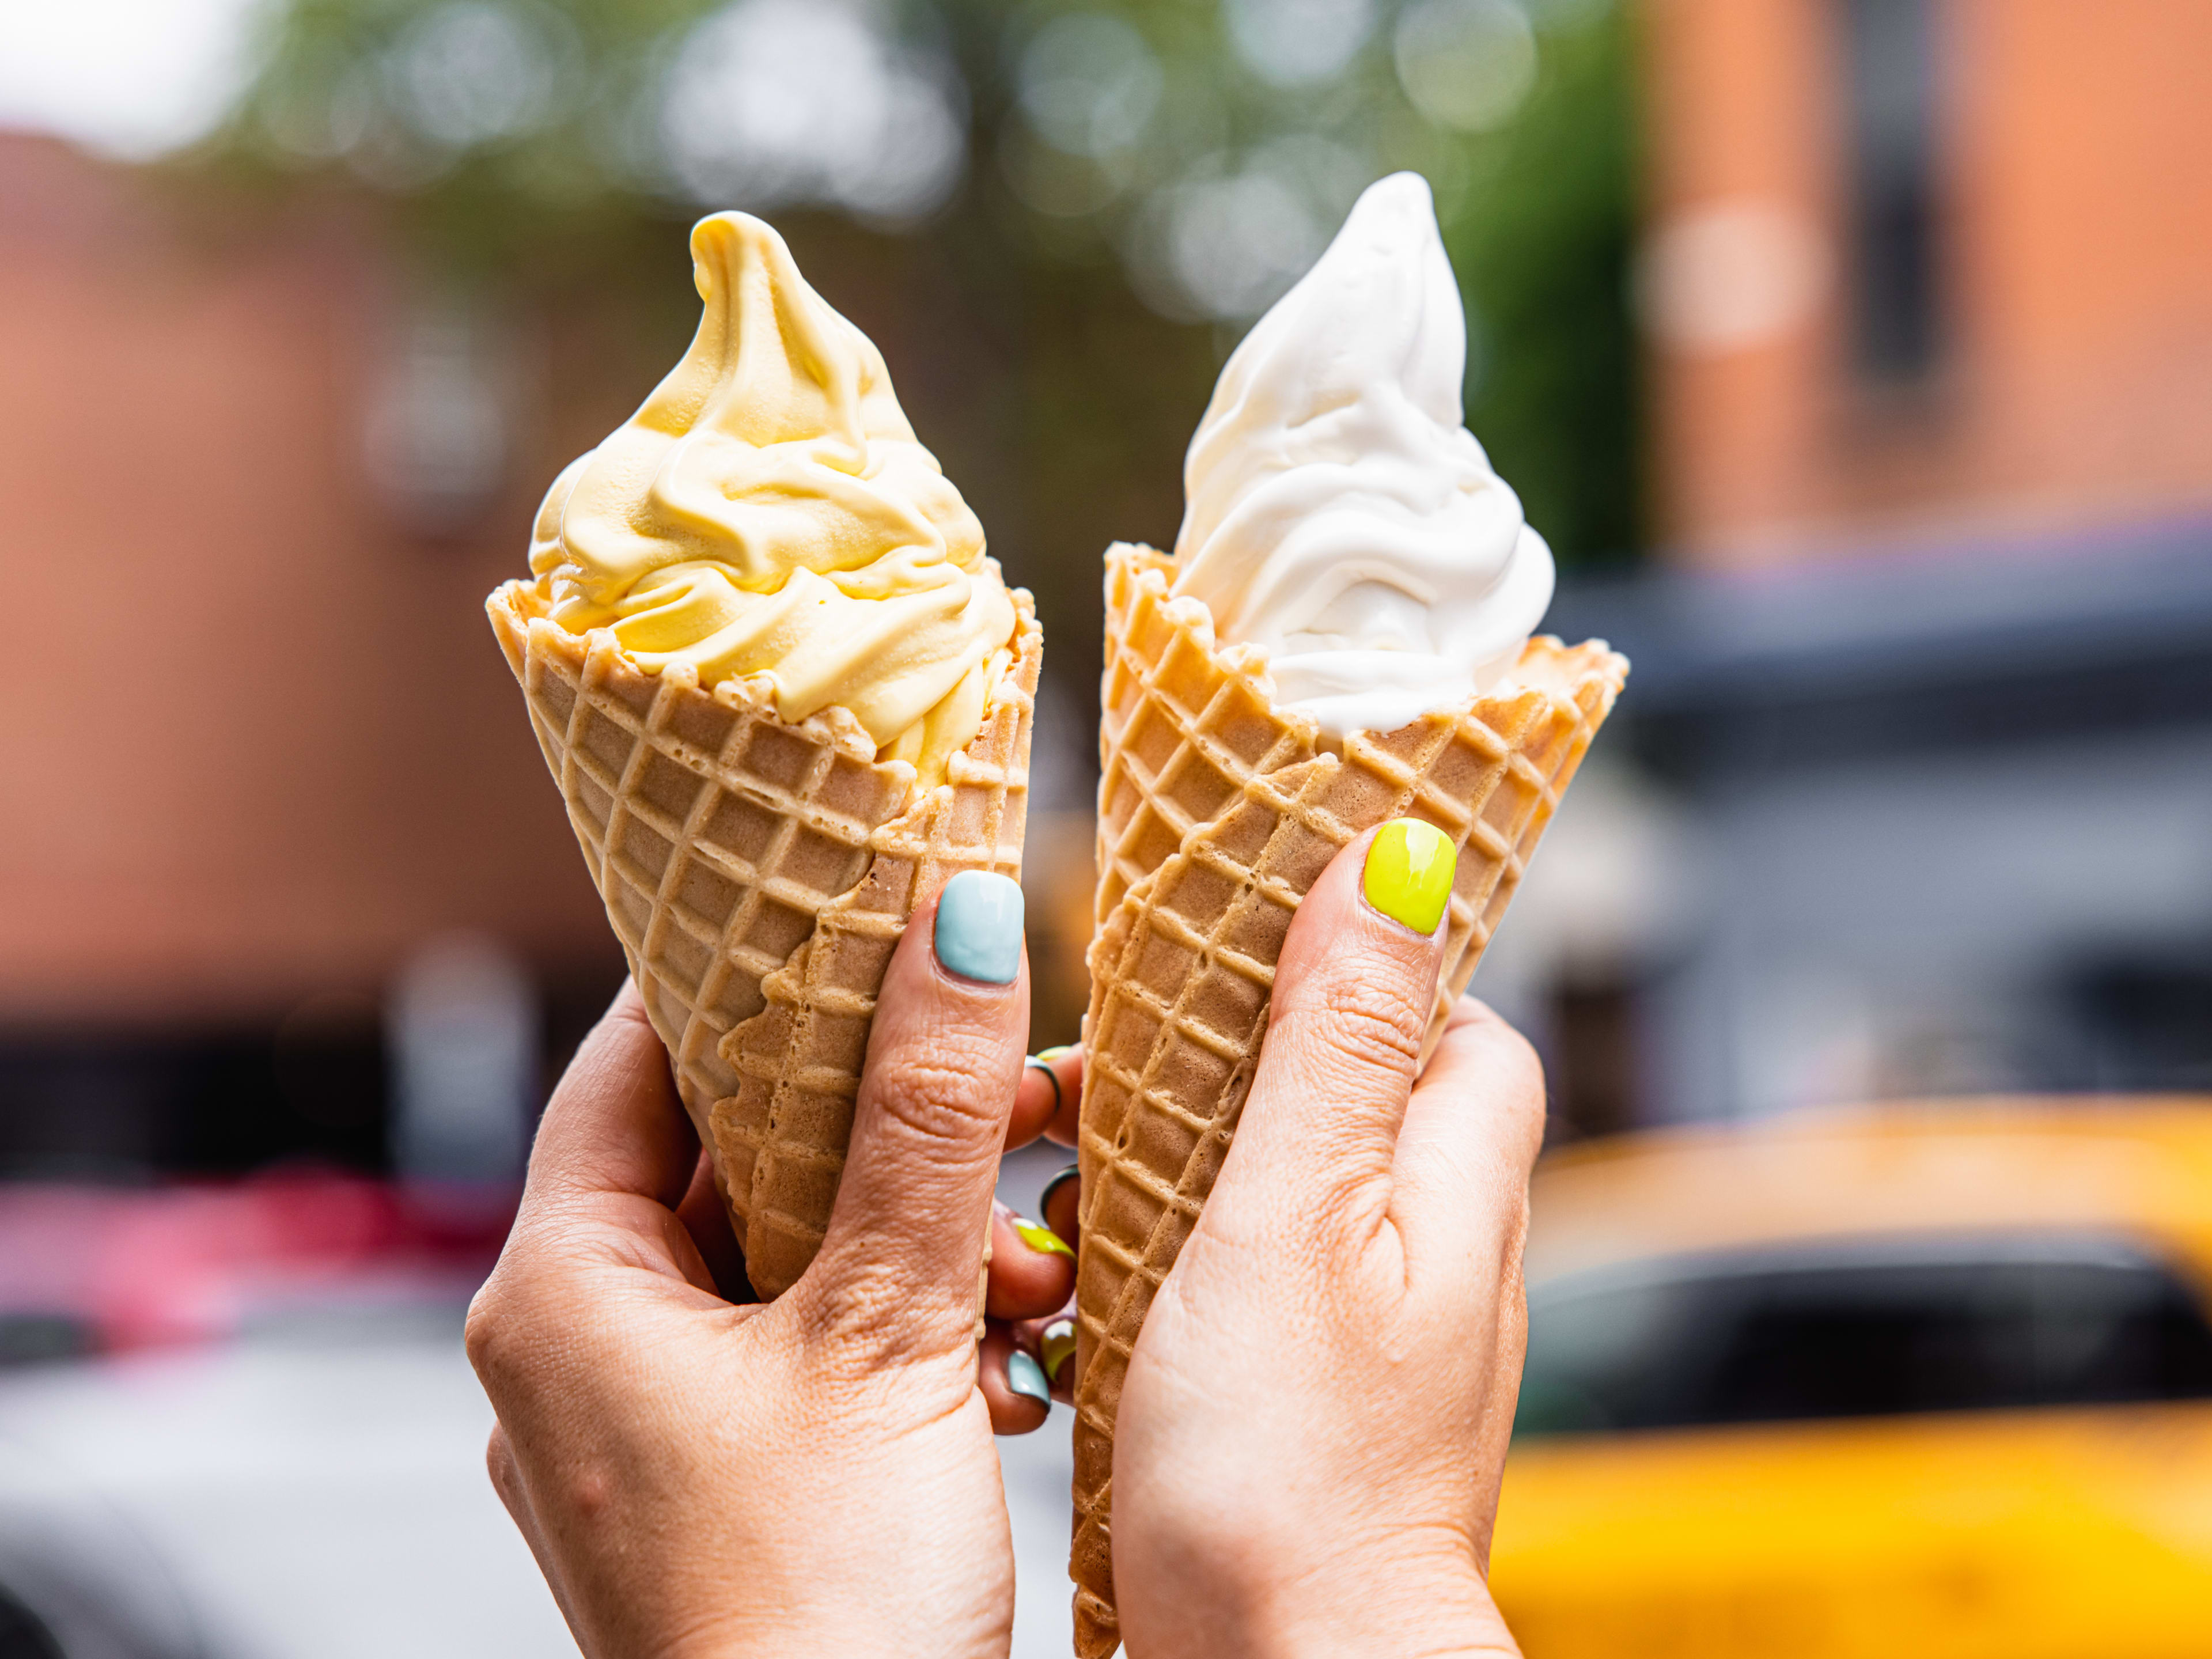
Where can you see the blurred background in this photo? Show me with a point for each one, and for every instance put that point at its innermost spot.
(1854, 357)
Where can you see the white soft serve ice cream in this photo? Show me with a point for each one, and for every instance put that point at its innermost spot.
(1340, 515)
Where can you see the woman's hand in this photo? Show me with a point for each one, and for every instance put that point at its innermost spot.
(815, 1476)
(1310, 1438)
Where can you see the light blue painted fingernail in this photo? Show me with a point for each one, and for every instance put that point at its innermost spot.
(979, 926)
(1026, 1378)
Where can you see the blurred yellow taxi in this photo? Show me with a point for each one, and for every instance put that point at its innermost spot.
(1926, 1383)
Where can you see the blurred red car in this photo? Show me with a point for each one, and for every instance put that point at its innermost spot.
(86, 1270)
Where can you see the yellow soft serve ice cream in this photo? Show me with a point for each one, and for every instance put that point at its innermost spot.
(768, 512)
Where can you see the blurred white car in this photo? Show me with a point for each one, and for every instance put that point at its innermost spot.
(301, 1494)
(240, 1424)
(317, 1491)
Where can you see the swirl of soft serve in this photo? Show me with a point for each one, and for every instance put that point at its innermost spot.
(768, 511)
(1339, 514)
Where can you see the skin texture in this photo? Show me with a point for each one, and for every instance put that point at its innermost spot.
(700, 1476)
(1318, 1408)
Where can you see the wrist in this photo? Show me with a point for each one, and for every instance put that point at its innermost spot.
(1411, 1601)
(1391, 1612)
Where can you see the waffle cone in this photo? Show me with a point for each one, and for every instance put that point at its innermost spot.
(759, 873)
(1217, 811)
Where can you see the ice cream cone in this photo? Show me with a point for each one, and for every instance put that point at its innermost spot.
(1217, 811)
(759, 874)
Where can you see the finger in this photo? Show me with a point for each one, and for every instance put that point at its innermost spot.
(706, 1220)
(1032, 1269)
(615, 1125)
(1353, 988)
(1012, 1383)
(1460, 1196)
(1067, 1062)
(615, 1152)
(1045, 1104)
(1059, 1204)
(1052, 1339)
(1472, 1132)
(906, 1234)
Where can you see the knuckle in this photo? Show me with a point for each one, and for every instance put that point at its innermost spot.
(1351, 1031)
(495, 1334)
(1361, 985)
(941, 1096)
(483, 1333)
(499, 1464)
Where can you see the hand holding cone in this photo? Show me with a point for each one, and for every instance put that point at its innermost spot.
(1218, 811)
(786, 696)
(759, 874)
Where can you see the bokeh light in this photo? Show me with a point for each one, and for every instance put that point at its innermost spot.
(776, 101)
(1227, 245)
(1088, 84)
(472, 72)
(1297, 43)
(1466, 63)
(1730, 274)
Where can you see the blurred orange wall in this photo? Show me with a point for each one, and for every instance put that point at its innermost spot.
(258, 741)
(2075, 264)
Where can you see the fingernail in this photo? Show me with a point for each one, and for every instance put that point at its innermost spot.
(1025, 1377)
(1058, 1051)
(1057, 1343)
(1072, 1172)
(1409, 873)
(1042, 1240)
(979, 926)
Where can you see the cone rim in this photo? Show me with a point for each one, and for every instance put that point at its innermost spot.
(520, 608)
(1592, 663)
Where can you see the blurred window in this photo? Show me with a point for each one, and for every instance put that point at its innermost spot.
(1938, 1324)
(1890, 103)
(2138, 1022)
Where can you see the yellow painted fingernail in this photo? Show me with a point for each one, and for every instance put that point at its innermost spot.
(1409, 873)
(1056, 1343)
(1042, 1240)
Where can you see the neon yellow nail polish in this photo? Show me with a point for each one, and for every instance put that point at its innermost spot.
(1409, 873)
(1042, 1240)
(1057, 1345)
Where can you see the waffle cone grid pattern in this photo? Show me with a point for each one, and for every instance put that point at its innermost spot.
(783, 1135)
(1216, 814)
(758, 873)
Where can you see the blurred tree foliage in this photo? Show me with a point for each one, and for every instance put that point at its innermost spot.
(1056, 216)
(1542, 250)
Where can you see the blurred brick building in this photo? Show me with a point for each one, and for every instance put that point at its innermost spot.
(276, 806)
(1927, 266)
(1925, 666)
(262, 747)
(1921, 719)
